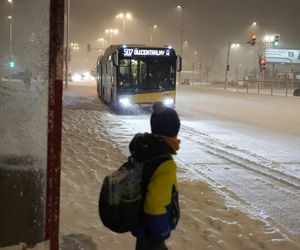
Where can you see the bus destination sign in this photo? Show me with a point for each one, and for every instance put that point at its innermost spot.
(145, 52)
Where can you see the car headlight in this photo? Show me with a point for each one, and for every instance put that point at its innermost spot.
(125, 102)
(169, 102)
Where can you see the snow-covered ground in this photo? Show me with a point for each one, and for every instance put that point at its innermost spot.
(238, 169)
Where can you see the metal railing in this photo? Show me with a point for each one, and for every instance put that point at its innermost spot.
(263, 87)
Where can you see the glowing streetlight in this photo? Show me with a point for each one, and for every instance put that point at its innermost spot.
(74, 46)
(123, 17)
(102, 40)
(151, 34)
(235, 45)
(269, 38)
(112, 32)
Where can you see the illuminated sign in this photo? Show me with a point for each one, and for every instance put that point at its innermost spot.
(127, 52)
(287, 56)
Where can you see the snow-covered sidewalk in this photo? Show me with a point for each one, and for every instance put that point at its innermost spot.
(94, 143)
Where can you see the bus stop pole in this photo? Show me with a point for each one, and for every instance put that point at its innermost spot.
(54, 122)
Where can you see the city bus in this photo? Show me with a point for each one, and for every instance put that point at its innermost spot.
(136, 76)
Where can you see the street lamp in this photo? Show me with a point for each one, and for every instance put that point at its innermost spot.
(74, 46)
(180, 7)
(234, 46)
(10, 33)
(67, 56)
(111, 32)
(151, 34)
(102, 40)
(10, 38)
(193, 66)
(269, 38)
(123, 17)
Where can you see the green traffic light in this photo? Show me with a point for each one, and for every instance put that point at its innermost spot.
(11, 64)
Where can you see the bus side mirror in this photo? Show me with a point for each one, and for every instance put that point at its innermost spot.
(178, 63)
(115, 59)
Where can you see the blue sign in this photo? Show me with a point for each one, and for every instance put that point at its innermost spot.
(286, 56)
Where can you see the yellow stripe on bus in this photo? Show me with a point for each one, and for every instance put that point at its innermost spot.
(146, 98)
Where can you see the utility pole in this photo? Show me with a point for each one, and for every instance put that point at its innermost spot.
(10, 38)
(227, 65)
(10, 19)
(67, 44)
(181, 36)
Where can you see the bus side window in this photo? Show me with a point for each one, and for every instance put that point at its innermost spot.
(134, 72)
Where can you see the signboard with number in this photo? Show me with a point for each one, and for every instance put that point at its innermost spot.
(286, 56)
(131, 52)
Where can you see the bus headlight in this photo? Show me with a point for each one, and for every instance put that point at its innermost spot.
(125, 102)
(169, 102)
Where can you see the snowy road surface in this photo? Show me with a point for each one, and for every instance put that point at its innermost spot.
(246, 147)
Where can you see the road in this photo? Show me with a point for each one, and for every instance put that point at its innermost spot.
(245, 146)
(241, 150)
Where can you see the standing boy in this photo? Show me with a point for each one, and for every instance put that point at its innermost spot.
(160, 213)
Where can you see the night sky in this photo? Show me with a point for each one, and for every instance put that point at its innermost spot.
(208, 25)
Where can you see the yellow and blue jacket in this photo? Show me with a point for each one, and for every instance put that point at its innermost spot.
(161, 211)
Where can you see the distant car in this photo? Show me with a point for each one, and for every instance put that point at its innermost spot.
(297, 92)
(185, 82)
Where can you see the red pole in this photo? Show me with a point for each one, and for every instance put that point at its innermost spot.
(54, 122)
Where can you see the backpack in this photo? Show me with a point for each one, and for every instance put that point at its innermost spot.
(122, 194)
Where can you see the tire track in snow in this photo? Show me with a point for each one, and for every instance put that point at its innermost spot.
(240, 157)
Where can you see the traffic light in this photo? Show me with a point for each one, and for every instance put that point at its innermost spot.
(276, 40)
(12, 64)
(252, 40)
(262, 63)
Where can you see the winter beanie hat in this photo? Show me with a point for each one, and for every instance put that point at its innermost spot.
(164, 120)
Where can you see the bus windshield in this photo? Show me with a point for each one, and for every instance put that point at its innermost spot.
(146, 74)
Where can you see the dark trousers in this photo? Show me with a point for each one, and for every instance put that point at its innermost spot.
(148, 243)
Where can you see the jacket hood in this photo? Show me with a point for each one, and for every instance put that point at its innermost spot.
(173, 142)
(146, 146)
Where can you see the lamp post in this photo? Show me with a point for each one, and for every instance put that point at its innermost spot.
(180, 7)
(102, 40)
(230, 45)
(123, 17)
(111, 32)
(193, 66)
(10, 38)
(67, 56)
(11, 63)
(74, 46)
(151, 34)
